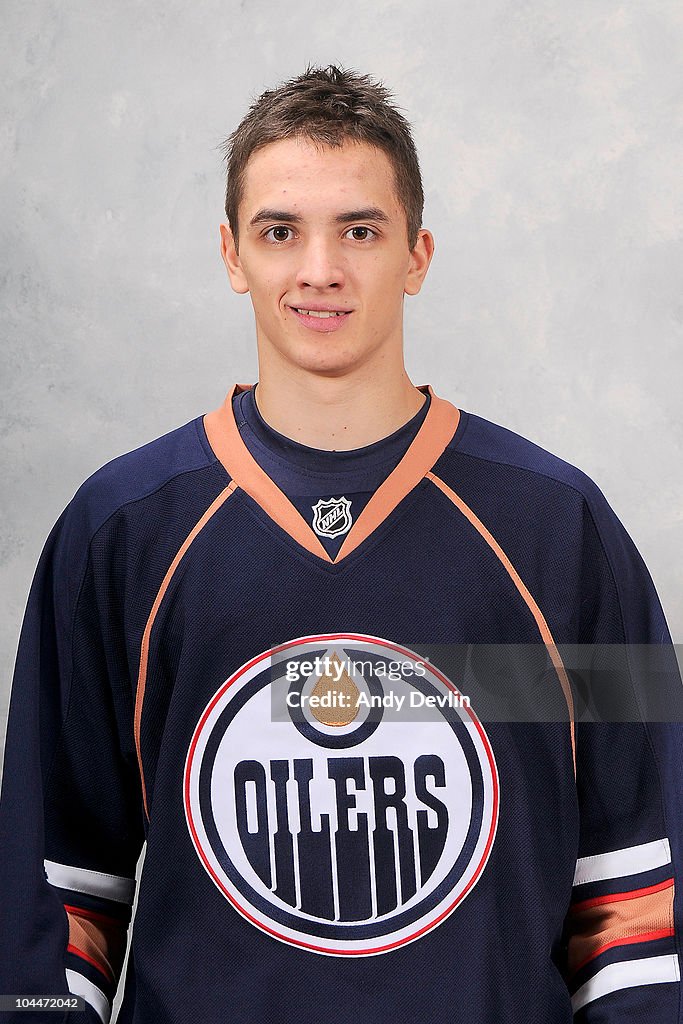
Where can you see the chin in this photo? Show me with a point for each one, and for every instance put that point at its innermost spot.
(322, 356)
(326, 366)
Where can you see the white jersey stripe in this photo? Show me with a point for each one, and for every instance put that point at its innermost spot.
(619, 863)
(81, 986)
(95, 883)
(628, 974)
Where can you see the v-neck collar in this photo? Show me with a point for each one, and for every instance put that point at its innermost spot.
(437, 429)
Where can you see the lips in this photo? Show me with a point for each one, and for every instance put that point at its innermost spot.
(323, 325)
(319, 309)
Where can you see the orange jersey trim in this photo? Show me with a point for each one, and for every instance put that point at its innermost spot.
(629, 941)
(93, 915)
(144, 650)
(600, 927)
(522, 589)
(99, 940)
(436, 431)
(616, 897)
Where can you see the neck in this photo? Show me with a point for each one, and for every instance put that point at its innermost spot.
(336, 413)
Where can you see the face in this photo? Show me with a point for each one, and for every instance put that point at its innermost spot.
(321, 230)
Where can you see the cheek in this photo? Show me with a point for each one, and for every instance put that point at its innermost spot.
(272, 285)
(268, 289)
(265, 278)
(386, 283)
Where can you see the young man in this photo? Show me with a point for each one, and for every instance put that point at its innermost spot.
(249, 644)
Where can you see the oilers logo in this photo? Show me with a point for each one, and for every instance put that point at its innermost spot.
(325, 812)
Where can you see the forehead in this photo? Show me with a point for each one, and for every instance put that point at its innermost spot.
(301, 173)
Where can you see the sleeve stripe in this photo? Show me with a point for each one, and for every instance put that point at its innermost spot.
(80, 986)
(619, 863)
(598, 928)
(664, 933)
(627, 974)
(616, 897)
(95, 883)
(102, 944)
(89, 959)
(94, 916)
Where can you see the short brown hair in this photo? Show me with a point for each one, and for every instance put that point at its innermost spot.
(328, 106)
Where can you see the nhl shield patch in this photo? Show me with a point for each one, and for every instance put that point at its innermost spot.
(332, 517)
(323, 813)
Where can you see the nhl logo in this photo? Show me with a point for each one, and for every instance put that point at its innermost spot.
(332, 517)
(338, 825)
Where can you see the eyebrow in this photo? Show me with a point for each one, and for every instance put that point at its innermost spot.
(366, 213)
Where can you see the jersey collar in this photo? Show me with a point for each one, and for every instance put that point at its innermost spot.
(438, 428)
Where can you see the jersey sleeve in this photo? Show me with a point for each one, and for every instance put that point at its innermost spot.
(70, 821)
(624, 925)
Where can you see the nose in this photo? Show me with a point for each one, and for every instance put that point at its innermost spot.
(320, 265)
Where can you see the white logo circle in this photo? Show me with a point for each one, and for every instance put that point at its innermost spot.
(347, 831)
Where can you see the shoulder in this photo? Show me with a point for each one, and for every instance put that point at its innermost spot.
(529, 498)
(555, 524)
(138, 475)
(495, 452)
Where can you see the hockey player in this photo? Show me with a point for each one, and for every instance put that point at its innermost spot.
(247, 646)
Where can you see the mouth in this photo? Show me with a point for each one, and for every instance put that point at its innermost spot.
(322, 320)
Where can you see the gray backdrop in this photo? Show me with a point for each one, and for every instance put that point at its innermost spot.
(551, 146)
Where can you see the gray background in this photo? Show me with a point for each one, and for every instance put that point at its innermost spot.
(551, 144)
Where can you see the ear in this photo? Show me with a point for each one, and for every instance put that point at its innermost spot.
(232, 262)
(420, 258)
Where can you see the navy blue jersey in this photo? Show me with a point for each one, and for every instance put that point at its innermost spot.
(329, 488)
(341, 823)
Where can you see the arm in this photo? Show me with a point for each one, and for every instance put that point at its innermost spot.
(70, 822)
(624, 924)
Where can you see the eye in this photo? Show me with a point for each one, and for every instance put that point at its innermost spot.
(361, 227)
(278, 227)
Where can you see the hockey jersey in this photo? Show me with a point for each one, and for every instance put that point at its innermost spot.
(358, 801)
(329, 488)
